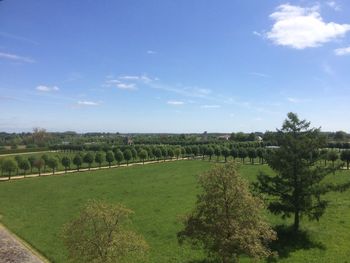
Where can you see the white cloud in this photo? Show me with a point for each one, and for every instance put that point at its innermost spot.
(143, 78)
(44, 88)
(17, 58)
(300, 27)
(210, 106)
(87, 103)
(257, 33)
(334, 5)
(175, 102)
(342, 51)
(297, 100)
(126, 86)
(151, 52)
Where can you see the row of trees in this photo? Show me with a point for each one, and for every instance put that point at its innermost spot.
(128, 154)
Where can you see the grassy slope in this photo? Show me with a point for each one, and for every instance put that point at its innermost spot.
(36, 208)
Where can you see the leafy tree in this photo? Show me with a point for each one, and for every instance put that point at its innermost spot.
(171, 153)
(127, 156)
(217, 152)
(209, 152)
(226, 153)
(164, 152)
(345, 156)
(143, 155)
(89, 159)
(227, 220)
(340, 135)
(24, 165)
(31, 160)
(234, 153)
(324, 155)
(9, 166)
(52, 163)
(110, 158)
(101, 234)
(195, 150)
(333, 156)
(177, 152)
(77, 161)
(45, 157)
(100, 158)
(65, 162)
(260, 152)
(133, 153)
(252, 155)
(158, 153)
(242, 153)
(39, 164)
(298, 186)
(119, 156)
(188, 151)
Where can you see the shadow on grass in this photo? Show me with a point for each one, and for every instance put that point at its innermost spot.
(289, 241)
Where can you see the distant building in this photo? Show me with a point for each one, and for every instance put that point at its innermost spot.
(128, 140)
(224, 137)
(205, 136)
(259, 138)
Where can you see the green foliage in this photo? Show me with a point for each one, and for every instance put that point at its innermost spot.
(158, 194)
(143, 155)
(77, 161)
(227, 220)
(89, 159)
(101, 234)
(9, 165)
(39, 164)
(110, 157)
(345, 156)
(66, 162)
(52, 162)
(100, 158)
(225, 152)
(299, 185)
(127, 155)
(24, 165)
(119, 156)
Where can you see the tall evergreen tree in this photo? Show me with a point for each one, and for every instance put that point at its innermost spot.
(298, 185)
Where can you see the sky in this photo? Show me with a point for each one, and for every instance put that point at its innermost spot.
(173, 66)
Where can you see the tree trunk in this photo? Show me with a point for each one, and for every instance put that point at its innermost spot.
(296, 221)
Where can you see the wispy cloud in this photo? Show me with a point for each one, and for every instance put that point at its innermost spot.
(334, 5)
(16, 58)
(44, 88)
(126, 86)
(128, 82)
(259, 74)
(303, 27)
(297, 100)
(175, 102)
(210, 106)
(151, 52)
(342, 51)
(87, 103)
(328, 69)
(257, 33)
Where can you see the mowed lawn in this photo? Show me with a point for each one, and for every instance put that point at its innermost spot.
(36, 208)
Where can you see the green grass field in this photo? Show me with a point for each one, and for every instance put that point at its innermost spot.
(36, 208)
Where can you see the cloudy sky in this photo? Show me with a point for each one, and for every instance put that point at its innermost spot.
(173, 66)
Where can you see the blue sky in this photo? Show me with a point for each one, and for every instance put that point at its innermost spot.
(173, 66)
